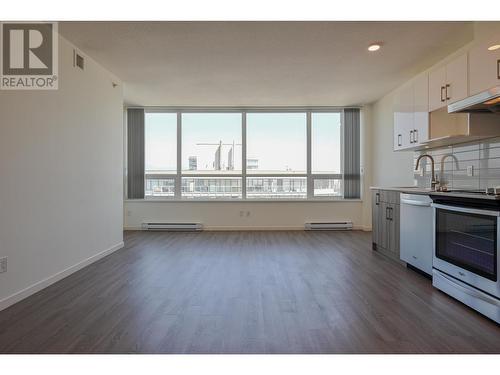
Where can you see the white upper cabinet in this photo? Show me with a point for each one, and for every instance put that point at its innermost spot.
(448, 84)
(411, 114)
(437, 86)
(421, 108)
(484, 66)
(456, 80)
(403, 117)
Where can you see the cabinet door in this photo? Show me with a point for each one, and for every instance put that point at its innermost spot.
(376, 217)
(421, 108)
(384, 226)
(456, 80)
(398, 131)
(393, 229)
(389, 196)
(437, 87)
(484, 66)
(403, 117)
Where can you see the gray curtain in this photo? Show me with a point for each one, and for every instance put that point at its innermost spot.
(352, 177)
(135, 152)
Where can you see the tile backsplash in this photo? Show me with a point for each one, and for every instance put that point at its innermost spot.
(452, 164)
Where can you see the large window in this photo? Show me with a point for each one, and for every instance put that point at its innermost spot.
(160, 154)
(326, 143)
(326, 154)
(211, 142)
(211, 146)
(253, 154)
(276, 143)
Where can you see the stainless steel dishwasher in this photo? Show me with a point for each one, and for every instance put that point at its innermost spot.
(416, 231)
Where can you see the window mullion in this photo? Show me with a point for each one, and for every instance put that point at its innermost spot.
(342, 150)
(309, 181)
(243, 155)
(178, 178)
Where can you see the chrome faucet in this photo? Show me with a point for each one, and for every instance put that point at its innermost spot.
(434, 182)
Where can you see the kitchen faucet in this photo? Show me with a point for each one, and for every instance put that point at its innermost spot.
(434, 182)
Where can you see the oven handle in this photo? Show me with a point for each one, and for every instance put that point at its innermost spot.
(466, 210)
(470, 292)
(412, 202)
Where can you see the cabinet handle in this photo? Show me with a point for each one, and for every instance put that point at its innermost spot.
(442, 92)
(415, 136)
(498, 68)
(447, 87)
(400, 140)
(411, 136)
(388, 213)
(377, 198)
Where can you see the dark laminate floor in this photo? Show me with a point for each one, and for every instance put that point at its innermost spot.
(245, 292)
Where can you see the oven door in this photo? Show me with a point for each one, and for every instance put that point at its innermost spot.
(466, 245)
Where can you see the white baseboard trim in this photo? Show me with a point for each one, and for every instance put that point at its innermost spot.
(32, 289)
(364, 228)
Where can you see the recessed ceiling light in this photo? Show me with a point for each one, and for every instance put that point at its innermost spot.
(494, 47)
(374, 47)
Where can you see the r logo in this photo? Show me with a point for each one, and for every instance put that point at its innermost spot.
(27, 49)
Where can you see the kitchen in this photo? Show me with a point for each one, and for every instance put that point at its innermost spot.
(446, 225)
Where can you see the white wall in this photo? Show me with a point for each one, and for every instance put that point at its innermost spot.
(263, 215)
(61, 163)
(226, 215)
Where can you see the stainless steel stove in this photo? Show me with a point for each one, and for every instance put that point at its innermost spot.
(466, 248)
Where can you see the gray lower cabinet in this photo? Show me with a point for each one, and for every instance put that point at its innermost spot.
(385, 222)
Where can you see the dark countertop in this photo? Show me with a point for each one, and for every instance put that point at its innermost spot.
(404, 189)
(427, 191)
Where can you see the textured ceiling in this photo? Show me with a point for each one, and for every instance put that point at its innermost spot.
(263, 63)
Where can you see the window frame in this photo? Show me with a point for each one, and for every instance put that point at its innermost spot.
(310, 177)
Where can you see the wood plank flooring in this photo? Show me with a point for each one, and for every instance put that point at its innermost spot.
(245, 292)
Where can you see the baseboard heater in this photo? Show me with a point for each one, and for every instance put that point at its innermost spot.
(173, 227)
(335, 225)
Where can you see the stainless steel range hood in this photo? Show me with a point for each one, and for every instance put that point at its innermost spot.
(486, 101)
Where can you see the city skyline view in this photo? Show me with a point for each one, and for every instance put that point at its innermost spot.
(204, 135)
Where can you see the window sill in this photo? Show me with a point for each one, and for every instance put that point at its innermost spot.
(154, 200)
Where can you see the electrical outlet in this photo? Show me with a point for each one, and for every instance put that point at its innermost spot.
(242, 213)
(3, 264)
(470, 170)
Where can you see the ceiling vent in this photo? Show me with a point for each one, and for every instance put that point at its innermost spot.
(78, 60)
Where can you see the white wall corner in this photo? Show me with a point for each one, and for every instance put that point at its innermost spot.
(34, 288)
